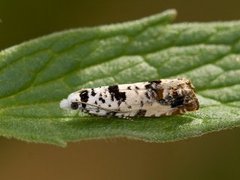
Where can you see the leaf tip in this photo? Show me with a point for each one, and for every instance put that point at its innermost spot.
(170, 14)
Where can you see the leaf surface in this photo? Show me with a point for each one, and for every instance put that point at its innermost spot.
(36, 75)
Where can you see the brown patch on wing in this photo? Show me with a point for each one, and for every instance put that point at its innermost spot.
(159, 93)
(177, 111)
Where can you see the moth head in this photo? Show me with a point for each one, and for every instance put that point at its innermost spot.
(72, 102)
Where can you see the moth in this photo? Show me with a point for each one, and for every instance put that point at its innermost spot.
(163, 97)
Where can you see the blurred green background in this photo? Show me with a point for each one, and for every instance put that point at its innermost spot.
(213, 156)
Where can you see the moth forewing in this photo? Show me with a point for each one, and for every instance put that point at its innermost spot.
(154, 98)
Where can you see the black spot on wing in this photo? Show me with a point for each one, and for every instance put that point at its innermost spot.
(178, 101)
(148, 86)
(115, 93)
(93, 93)
(147, 95)
(113, 89)
(136, 87)
(84, 96)
(101, 99)
(152, 84)
(157, 82)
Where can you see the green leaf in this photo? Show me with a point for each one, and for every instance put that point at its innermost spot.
(36, 75)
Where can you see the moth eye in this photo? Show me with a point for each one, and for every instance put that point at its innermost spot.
(74, 105)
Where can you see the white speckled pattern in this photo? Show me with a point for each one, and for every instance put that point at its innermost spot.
(145, 99)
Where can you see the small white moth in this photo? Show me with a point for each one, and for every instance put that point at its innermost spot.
(149, 99)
